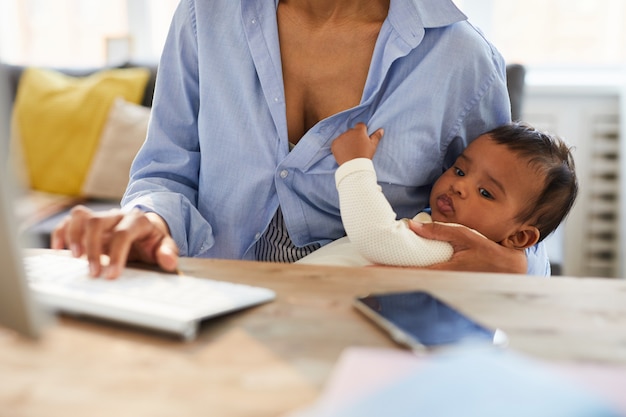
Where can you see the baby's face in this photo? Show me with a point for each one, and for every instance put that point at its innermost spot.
(486, 189)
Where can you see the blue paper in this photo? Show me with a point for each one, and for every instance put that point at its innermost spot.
(481, 382)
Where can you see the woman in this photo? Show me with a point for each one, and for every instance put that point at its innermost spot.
(249, 96)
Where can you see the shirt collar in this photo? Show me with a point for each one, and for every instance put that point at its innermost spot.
(437, 13)
(432, 13)
(410, 17)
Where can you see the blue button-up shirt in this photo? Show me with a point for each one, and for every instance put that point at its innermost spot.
(216, 164)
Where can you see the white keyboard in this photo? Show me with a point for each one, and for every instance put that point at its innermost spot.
(157, 300)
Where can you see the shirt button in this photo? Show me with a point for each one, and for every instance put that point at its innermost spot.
(257, 236)
(253, 21)
(284, 173)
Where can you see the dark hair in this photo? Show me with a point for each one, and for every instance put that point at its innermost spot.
(553, 159)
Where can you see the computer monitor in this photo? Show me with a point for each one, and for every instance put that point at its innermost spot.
(17, 309)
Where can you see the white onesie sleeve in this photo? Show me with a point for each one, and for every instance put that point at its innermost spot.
(371, 223)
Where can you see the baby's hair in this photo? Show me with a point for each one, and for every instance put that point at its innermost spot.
(552, 158)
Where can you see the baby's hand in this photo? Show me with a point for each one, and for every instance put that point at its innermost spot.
(355, 143)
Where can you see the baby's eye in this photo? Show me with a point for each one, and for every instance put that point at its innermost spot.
(459, 172)
(485, 193)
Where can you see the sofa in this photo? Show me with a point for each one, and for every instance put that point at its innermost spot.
(38, 207)
(13, 73)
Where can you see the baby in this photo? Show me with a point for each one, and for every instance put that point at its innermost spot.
(513, 185)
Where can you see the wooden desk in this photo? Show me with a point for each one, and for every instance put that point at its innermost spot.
(274, 358)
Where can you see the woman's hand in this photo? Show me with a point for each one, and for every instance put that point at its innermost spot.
(472, 252)
(136, 236)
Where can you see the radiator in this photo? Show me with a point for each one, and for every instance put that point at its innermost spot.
(588, 243)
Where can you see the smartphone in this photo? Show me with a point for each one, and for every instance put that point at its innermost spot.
(421, 321)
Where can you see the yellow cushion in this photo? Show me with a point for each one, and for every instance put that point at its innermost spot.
(60, 119)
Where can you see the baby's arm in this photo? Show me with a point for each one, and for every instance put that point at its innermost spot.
(368, 218)
(371, 224)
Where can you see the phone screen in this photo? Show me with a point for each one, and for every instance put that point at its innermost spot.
(419, 319)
